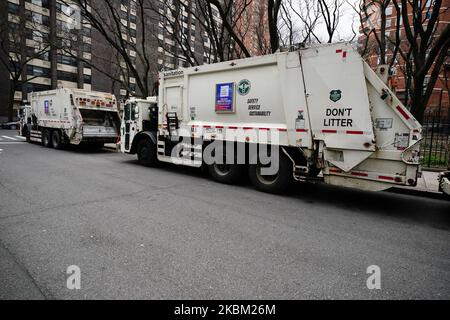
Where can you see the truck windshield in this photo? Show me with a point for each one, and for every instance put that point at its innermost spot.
(129, 111)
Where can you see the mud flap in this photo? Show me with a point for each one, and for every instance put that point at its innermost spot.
(346, 159)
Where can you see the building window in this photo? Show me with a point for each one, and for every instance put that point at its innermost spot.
(32, 87)
(40, 3)
(67, 60)
(13, 8)
(67, 76)
(38, 71)
(38, 54)
(87, 79)
(388, 11)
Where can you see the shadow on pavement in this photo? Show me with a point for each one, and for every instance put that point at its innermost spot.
(433, 212)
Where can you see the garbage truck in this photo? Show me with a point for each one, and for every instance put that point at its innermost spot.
(65, 116)
(319, 113)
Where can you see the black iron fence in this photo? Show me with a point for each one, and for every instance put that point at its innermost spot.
(435, 147)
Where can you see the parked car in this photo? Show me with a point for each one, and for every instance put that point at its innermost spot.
(10, 125)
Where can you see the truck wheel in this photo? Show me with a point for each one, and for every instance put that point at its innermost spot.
(57, 139)
(226, 173)
(276, 183)
(26, 133)
(146, 152)
(46, 139)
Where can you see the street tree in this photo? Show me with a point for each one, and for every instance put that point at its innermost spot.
(131, 50)
(14, 55)
(424, 50)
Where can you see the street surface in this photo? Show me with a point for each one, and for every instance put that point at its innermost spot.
(172, 233)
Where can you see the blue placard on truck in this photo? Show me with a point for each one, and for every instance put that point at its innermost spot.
(224, 97)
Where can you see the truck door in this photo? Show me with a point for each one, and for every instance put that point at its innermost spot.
(129, 127)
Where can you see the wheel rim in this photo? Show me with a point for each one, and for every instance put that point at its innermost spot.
(222, 169)
(265, 179)
(56, 139)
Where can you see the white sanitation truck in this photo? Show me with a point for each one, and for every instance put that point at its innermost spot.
(322, 113)
(71, 116)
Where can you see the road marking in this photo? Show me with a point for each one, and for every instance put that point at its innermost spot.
(11, 138)
(20, 137)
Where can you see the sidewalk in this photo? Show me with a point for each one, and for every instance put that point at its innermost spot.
(428, 181)
(427, 185)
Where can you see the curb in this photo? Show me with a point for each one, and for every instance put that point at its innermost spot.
(419, 192)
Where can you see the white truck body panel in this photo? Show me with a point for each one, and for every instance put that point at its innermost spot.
(324, 101)
(82, 115)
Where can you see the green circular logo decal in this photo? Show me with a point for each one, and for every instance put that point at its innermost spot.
(244, 87)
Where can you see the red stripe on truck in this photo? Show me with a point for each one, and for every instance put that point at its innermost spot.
(329, 131)
(354, 132)
(386, 178)
(359, 174)
(301, 130)
(402, 112)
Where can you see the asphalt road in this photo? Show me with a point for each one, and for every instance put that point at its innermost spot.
(171, 233)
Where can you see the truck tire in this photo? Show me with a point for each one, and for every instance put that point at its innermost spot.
(226, 173)
(57, 139)
(276, 183)
(26, 133)
(46, 138)
(146, 152)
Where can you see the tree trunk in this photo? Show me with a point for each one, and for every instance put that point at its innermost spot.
(417, 107)
(12, 91)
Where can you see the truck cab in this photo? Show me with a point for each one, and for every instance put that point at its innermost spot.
(24, 115)
(140, 117)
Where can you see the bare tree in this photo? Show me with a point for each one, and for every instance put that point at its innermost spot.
(425, 49)
(14, 56)
(301, 18)
(105, 17)
(331, 12)
(374, 16)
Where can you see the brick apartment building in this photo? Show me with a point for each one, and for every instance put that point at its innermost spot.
(253, 26)
(398, 81)
(45, 24)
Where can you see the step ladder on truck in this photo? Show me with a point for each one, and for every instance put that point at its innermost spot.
(328, 114)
